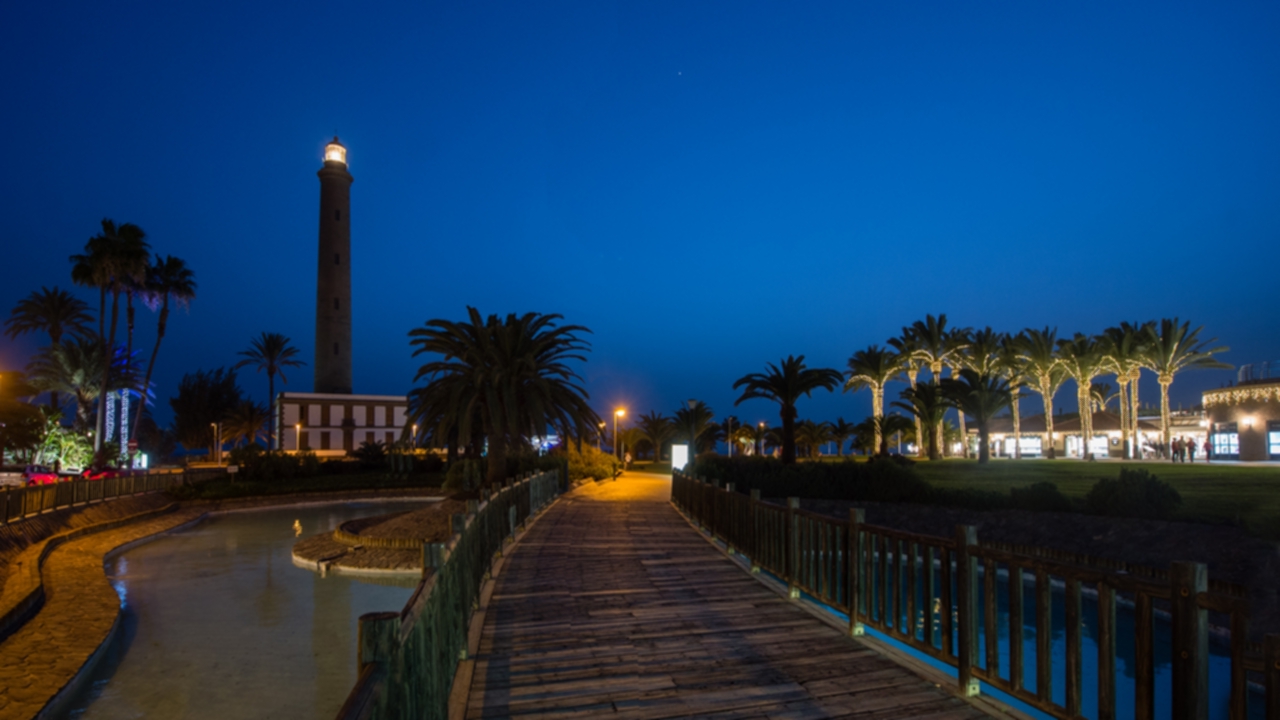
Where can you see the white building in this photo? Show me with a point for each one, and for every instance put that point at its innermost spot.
(330, 424)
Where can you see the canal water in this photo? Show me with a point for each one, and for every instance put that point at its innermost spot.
(217, 622)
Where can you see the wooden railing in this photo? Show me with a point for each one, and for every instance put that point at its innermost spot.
(17, 503)
(407, 660)
(940, 597)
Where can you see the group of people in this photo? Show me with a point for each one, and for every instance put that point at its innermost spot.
(1183, 449)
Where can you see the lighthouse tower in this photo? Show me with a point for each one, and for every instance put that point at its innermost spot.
(333, 275)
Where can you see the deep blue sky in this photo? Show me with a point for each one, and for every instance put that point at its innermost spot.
(707, 186)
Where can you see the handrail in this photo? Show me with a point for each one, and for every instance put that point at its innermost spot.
(934, 593)
(20, 503)
(407, 659)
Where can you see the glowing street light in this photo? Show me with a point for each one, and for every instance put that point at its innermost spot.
(617, 414)
(600, 434)
(297, 437)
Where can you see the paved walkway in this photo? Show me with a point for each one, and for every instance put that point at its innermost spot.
(613, 606)
(80, 608)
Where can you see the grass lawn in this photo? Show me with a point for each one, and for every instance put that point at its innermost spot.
(1245, 495)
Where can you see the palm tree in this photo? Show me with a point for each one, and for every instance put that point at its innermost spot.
(1172, 347)
(508, 377)
(981, 396)
(1013, 366)
(694, 421)
(1126, 343)
(111, 261)
(657, 430)
(937, 347)
(888, 426)
(1046, 374)
(1083, 358)
(926, 402)
(271, 353)
(784, 384)
(169, 278)
(873, 368)
(905, 345)
(243, 425)
(71, 366)
(841, 431)
(813, 436)
(53, 311)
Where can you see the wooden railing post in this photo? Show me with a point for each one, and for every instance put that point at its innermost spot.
(1190, 641)
(1271, 671)
(432, 556)
(754, 514)
(729, 531)
(378, 634)
(793, 547)
(967, 608)
(853, 573)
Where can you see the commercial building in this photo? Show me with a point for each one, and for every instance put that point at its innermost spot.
(1244, 419)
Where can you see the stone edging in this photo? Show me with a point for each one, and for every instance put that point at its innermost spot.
(394, 543)
(23, 591)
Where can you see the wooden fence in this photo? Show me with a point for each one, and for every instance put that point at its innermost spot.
(17, 503)
(407, 660)
(939, 596)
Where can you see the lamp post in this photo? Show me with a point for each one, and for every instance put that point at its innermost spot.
(599, 435)
(297, 438)
(217, 443)
(760, 440)
(617, 414)
(728, 434)
(693, 431)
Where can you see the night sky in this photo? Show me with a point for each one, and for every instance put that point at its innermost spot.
(708, 186)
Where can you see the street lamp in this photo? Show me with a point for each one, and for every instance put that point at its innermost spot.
(760, 440)
(599, 435)
(297, 438)
(217, 443)
(617, 414)
(728, 434)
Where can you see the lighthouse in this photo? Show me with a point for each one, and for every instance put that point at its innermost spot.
(333, 275)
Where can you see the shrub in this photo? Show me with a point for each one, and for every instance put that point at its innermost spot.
(1137, 493)
(372, 455)
(1040, 497)
(465, 475)
(589, 463)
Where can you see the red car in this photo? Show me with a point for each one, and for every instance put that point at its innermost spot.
(39, 475)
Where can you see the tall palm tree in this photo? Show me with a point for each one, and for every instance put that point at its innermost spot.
(841, 431)
(657, 430)
(873, 368)
(905, 345)
(111, 261)
(243, 424)
(53, 311)
(1084, 358)
(813, 435)
(694, 421)
(1127, 350)
(168, 279)
(511, 377)
(271, 353)
(1045, 373)
(1172, 347)
(981, 396)
(784, 384)
(937, 347)
(1013, 366)
(926, 402)
(886, 427)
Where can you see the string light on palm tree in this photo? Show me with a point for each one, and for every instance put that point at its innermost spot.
(616, 415)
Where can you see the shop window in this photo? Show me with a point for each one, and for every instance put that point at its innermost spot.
(1226, 441)
(1273, 439)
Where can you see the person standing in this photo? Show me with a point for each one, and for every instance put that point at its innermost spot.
(1208, 450)
(1173, 450)
(1191, 450)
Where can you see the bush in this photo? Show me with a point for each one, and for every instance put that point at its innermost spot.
(1040, 497)
(258, 465)
(465, 475)
(1137, 493)
(372, 455)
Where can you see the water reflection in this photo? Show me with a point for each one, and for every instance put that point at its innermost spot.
(217, 622)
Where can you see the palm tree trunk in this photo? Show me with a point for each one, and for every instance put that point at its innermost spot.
(1045, 393)
(984, 451)
(1124, 414)
(1017, 428)
(939, 438)
(271, 413)
(497, 460)
(788, 435)
(1133, 407)
(1165, 431)
(151, 365)
(964, 436)
(877, 409)
(109, 350)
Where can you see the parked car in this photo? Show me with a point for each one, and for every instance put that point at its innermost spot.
(104, 472)
(39, 475)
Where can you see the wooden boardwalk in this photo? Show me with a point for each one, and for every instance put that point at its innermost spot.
(613, 606)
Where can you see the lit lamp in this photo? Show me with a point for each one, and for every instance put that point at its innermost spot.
(297, 437)
(617, 414)
(599, 435)
(760, 440)
(1247, 421)
(335, 152)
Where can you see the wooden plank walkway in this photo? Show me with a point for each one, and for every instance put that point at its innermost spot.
(613, 606)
